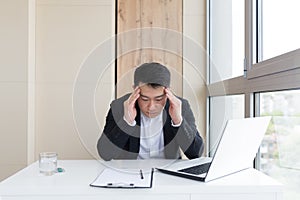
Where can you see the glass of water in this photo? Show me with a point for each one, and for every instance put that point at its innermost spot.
(48, 163)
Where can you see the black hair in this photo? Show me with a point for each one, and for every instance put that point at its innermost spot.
(153, 74)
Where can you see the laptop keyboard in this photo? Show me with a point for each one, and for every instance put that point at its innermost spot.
(198, 169)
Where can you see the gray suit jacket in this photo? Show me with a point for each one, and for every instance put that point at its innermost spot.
(121, 141)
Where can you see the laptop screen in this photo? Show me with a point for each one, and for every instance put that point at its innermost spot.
(238, 146)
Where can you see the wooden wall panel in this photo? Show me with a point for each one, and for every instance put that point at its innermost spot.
(147, 31)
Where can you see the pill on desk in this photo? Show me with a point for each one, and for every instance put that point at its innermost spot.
(59, 169)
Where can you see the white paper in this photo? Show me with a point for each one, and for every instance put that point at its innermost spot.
(129, 178)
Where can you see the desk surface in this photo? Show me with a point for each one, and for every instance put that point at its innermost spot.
(74, 183)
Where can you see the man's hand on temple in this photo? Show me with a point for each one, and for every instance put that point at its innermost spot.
(175, 107)
(129, 106)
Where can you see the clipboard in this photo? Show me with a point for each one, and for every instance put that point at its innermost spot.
(124, 178)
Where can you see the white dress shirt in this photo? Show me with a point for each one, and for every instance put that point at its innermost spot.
(152, 137)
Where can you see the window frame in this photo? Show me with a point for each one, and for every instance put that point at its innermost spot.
(278, 73)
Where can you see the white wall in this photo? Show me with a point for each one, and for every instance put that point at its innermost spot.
(194, 54)
(13, 85)
(43, 44)
(66, 33)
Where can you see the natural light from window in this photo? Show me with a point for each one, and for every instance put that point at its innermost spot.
(227, 39)
(281, 28)
(280, 148)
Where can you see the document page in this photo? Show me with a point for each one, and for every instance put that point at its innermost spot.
(124, 178)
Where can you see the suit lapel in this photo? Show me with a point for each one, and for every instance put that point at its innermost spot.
(167, 124)
(134, 139)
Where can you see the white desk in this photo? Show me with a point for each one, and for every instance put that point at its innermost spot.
(74, 183)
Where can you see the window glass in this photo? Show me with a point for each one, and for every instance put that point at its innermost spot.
(280, 32)
(226, 39)
(222, 109)
(280, 149)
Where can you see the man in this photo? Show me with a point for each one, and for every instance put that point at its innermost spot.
(151, 122)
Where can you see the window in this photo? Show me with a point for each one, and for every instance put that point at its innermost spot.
(271, 84)
(226, 28)
(280, 149)
(222, 109)
(280, 31)
(276, 42)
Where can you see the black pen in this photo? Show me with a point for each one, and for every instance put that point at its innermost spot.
(141, 173)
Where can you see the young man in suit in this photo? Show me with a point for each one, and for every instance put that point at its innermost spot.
(151, 122)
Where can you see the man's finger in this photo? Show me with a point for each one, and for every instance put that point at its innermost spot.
(134, 96)
(170, 95)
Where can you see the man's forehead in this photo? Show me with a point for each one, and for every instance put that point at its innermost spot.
(152, 95)
(149, 87)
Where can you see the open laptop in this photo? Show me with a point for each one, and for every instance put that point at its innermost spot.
(235, 152)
